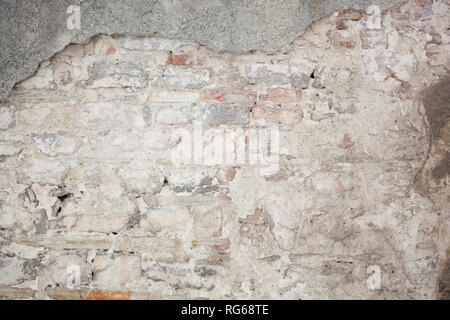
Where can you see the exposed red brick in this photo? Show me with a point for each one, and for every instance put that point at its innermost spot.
(108, 295)
(16, 293)
(177, 259)
(219, 245)
(279, 176)
(347, 142)
(111, 50)
(347, 44)
(63, 294)
(213, 95)
(179, 60)
(244, 97)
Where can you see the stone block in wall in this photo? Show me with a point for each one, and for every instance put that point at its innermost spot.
(109, 115)
(115, 75)
(59, 143)
(140, 178)
(43, 170)
(131, 143)
(268, 73)
(280, 74)
(212, 115)
(183, 78)
(10, 269)
(116, 272)
(207, 221)
(281, 95)
(12, 217)
(229, 97)
(267, 115)
(10, 148)
(168, 221)
(173, 96)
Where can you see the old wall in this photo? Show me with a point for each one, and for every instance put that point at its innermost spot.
(95, 180)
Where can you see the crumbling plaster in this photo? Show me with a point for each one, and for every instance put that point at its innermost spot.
(34, 30)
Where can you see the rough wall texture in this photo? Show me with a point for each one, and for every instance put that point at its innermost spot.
(88, 179)
(34, 30)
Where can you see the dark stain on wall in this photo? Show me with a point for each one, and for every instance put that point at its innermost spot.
(444, 278)
(443, 168)
(436, 100)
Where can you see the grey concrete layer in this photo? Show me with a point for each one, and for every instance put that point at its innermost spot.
(34, 30)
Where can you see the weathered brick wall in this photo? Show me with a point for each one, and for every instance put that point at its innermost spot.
(88, 179)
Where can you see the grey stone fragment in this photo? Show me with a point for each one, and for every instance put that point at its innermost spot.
(52, 144)
(300, 81)
(110, 75)
(7, 119)
(41, 226)
(205, 272)
(31, 267)
(217, 115)
(10, 269)
(212, 115)
(273, 74)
